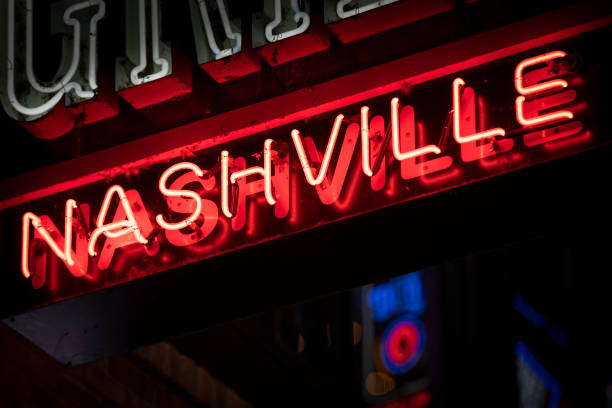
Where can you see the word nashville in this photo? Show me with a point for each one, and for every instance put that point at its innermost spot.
(131, 224)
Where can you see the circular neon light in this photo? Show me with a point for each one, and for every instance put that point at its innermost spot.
(402, 344)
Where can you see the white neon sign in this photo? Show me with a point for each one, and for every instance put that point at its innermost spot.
(231, 35)
(70, 81)
(142, 45)
(343, 13)
(132, 68)
(300, 17)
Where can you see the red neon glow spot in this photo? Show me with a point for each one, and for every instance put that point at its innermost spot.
(458, 84)
(117, 228)
(568, 142)
(442, 178)
(552, 134)
(195, 197)
(280, 182)
(402, 343)
(214, 241)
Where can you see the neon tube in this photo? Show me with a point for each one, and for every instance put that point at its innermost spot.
(65, 255)
(331, 143)
(124, 227)
(520, 115)
(64, 85)
(365, 142)
(180, 193)
(395, 128)
(225, 184)
(458, 83)
(265, 172)
(518, 74)
(298, 16)
(342, 13)
(210, 36)
(142, 45)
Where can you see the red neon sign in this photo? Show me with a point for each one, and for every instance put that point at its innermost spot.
(306, 174)
(129, 225)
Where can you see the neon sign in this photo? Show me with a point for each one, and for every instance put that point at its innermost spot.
(403, 344)
(301, 18)
(207, 45)
(76, 80)
(444, 133)
(341, 7)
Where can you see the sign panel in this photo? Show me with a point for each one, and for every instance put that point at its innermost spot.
(496, 118)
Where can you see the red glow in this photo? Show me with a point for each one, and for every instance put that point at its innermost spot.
(56, 123)
(280, 182)
(458, 84)
(365, 141)
(265, 172)
(203, 226)
(329, 192)
(389, 77)
(477, 148)
(533, 107)
(403, 343)
(196, 201)
(407, 140)
(568, 141)
(419, 399)
(186, 218)
(377, 152)
(179, 83)
(538, 88)
(395, 128)
(331, 143)
(48, 232)
(551, 134)
(386, 18)
(132, 230)
(538, 120)
(442, 178)
(119, 226)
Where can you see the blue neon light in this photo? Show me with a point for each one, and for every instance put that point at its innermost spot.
(400, 295)
(538, 320)
(553, 387)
